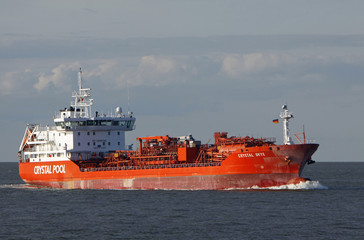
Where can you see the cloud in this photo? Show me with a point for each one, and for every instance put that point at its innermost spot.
(292, 70)
(63, 76)
(157, 65)
(15, 81)
(236, 65)
(7, 83)
(101, 69)
(276, 69)
(152, 71)
(270, 69)
(58, 78)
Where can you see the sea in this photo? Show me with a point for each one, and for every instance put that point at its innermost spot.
(330, 206)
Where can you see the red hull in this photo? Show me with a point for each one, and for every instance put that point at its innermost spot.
(259, 166)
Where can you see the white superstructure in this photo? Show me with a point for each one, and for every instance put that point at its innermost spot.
(77, 135)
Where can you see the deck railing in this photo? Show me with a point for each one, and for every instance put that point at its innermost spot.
(188, 165)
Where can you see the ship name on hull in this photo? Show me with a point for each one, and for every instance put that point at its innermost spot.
(50, 169)
(247, 155)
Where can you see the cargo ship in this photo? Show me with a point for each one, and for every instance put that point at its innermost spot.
(88, 151)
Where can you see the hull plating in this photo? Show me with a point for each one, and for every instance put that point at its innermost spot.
(260, 166)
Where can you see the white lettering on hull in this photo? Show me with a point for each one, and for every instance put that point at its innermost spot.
(47, 169)
(249, 155)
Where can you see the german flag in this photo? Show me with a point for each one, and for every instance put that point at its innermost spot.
(275, 121)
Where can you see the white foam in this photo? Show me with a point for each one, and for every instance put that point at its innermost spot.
(308, 185)
(14, 185)
(25, 186)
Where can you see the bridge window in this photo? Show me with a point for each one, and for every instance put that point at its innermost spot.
(130, 124)
(106, 123)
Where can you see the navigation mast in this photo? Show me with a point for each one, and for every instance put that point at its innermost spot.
(286, 115)
(82, 103)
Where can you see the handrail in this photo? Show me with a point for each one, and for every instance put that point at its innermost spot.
(188, 165)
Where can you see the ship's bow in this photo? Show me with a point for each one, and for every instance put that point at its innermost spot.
(297, 156)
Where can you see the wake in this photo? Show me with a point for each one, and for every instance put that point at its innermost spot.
(20, 186)
(307, 185)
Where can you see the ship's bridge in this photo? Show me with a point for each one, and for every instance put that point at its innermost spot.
(78, 115)
(101, 123)
(78, 133)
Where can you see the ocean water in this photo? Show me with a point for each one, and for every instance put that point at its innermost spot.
(331, 206)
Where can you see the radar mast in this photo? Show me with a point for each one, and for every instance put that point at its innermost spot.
(82, 103)
(286, 115)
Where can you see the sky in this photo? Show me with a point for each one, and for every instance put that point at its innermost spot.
(189, 67)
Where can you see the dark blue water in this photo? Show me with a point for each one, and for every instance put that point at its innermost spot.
(331, 207)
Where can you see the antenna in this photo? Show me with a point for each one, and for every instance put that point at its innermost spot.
(80, 80)
(127, 86)
(82, 103)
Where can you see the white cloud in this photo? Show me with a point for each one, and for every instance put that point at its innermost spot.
(235, 65)
(14, 81)
(63, 76)
(157, 65)
(275, 68)
(152, 71)
(7, 83)
(58, 77)
(101, 69)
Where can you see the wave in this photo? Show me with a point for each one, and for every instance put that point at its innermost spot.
(307, 185)
(22, 186)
